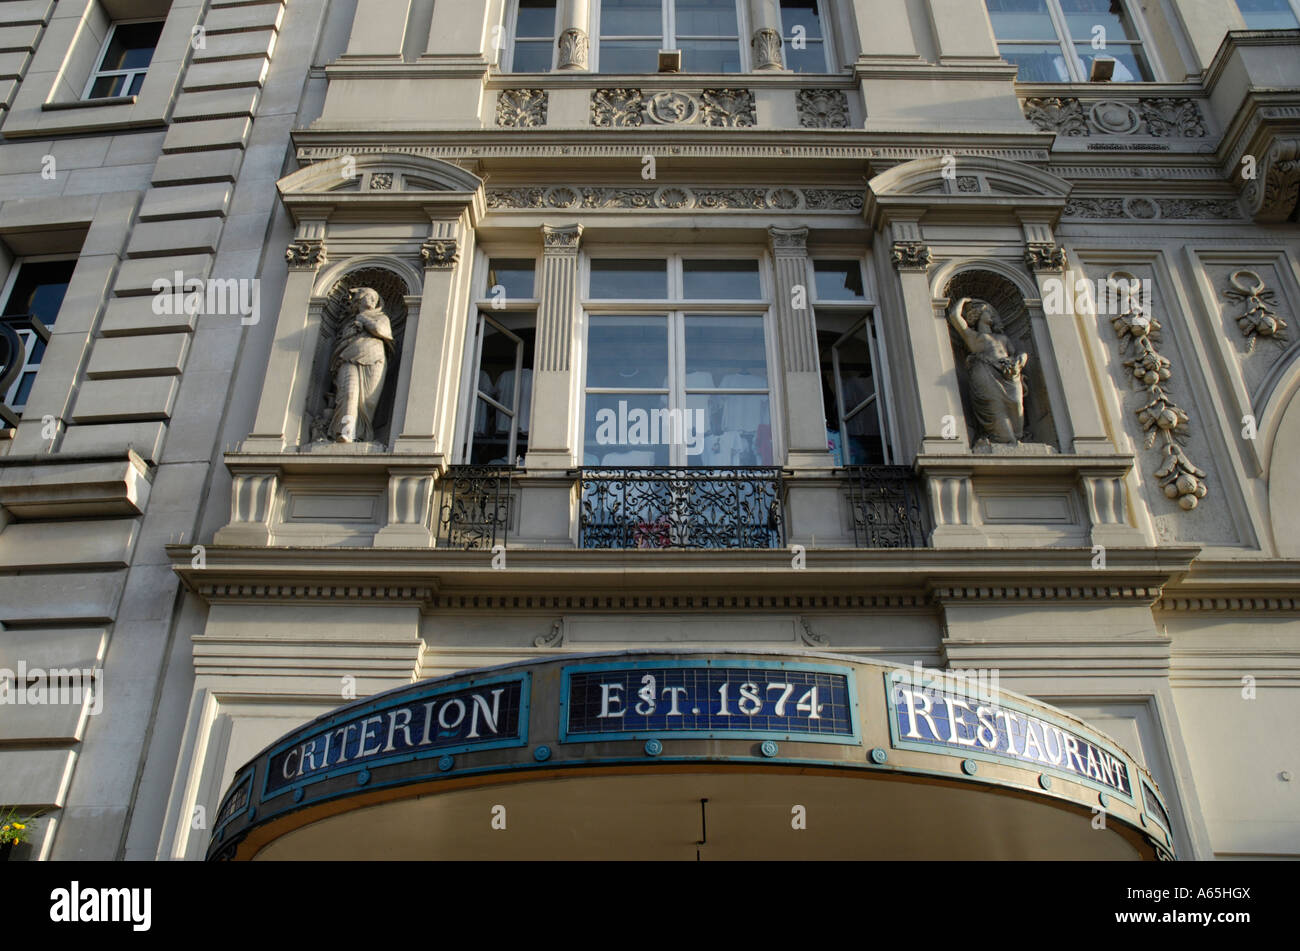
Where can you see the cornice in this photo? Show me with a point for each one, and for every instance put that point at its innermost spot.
(1236, 39)
(1245, 585)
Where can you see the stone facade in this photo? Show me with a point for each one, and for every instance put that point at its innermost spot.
(171, 518)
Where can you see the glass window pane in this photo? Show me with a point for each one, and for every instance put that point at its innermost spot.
(810, 59)
(136, 82)
(622, 279)
(1268, 14)
(629, 56)
(1130, 64)
(513, 275)
(838, 280)
(707, 18)
(740, 433)
(804, 13)
(536, 18)
(39, 289)
(24, 389)
(862, 442)
(628, 429)
(710, 56)
(721, 280)
(132, 46)
(725, 353)
(1038, 64)
(1083, 16)
(532, 56)
(628, 352)
(1021, 20)
(631, 18)
(106, 86)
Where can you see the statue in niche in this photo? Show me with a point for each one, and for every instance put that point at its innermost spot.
(997, 386)
(357, 366)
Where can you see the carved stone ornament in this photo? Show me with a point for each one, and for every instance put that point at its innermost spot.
(1162, 419)
(911, 256)
(809, 636)
(555, 638)
(630, 108)
(357, 365)
(766, 45)
(1145, 209)
(1054, 114)
(997, 386)
(1042, 256)
(1160, 117)
(381, 181)
(1259, 317)
(1273, 195)
(823, 108)
(573, 49)
(562, 239)
(439, 253)
(676, 198)
(521, 108)
(617, 108)
(305, 254)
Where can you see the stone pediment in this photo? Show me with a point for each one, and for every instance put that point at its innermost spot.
(361, 182)
(965, 183)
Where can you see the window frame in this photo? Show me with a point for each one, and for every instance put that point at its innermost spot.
(1295, 11)
(825, 41)
(27, 334)
(481, 309)
(98, 72)
(668, 37)
(508, 48)
(1073, 62)
(676, 309)
(856, 315)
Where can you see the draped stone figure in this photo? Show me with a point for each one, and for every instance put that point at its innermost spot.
(357, 364)
(997, 388)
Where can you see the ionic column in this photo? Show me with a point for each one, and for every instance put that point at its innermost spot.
(424, 420)
(937, 394)
(284, 388)
(765, 38)
(805, 414)
(1047, 260)
(573, 40)
(551, 441)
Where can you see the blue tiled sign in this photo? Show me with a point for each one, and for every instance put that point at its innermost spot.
(761, 699)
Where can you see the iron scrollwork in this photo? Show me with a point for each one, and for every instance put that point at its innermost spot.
(885, 502)
(475, 509)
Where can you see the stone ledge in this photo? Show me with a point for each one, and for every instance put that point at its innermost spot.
(72, 485)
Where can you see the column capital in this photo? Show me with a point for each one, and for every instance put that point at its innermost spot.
(306, 254)
(911, 256)
(440, 252)
(1045, 256)
(561, 239)
(789, 242)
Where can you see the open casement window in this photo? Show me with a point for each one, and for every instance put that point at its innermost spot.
(122, 64)
(1055, 41)
(852, 368)
(677, 364)
(1270, 14)
(32, 298)
(632, 32)
(533, 39)
(502, 366)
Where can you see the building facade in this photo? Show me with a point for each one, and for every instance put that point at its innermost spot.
(546, 369)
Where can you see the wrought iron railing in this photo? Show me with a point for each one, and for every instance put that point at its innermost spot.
(888, 507)
(681, 508)
(474, 506)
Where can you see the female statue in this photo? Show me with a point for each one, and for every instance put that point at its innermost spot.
(357, 365)
(997, 389)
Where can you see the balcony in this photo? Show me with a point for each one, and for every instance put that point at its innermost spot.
(681, 508)
(474, 510)
(887, 506)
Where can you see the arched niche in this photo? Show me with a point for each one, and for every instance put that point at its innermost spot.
(334, 308)
(979, 283)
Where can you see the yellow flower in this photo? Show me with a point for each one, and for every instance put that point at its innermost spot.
(19, 825)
